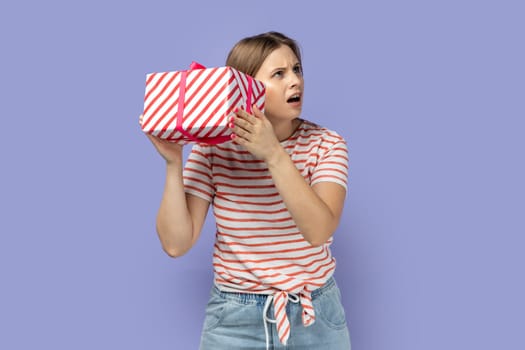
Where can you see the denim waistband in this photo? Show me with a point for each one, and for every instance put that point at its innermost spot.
(253, 298)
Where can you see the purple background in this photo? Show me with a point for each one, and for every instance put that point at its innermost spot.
(428, 94)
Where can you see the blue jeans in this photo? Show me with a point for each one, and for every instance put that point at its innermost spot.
(234, 321)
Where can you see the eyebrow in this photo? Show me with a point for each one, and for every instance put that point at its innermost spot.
(284, 68)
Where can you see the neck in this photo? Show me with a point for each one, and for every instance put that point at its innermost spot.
(284, 129)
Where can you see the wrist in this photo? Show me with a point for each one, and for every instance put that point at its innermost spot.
(174, 166)
(174, 159)
(275, 157)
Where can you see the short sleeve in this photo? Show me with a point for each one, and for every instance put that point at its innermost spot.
(332, 165)
(197, 174)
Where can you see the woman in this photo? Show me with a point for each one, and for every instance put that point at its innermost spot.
(277, 190)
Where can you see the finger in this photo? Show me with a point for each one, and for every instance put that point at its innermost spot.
(257, 112)
(241, 123)
(157, 140)
(154, 139)
(237, 139)
(241, 113)
(242, 133)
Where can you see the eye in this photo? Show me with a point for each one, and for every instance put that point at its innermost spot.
(278, 74)
(298, 69)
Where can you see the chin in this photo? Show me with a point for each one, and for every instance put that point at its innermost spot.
(287, 114)
(297, 113)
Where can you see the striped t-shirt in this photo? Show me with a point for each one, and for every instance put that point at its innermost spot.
(258, 247)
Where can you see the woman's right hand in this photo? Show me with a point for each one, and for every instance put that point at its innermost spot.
(170, 151)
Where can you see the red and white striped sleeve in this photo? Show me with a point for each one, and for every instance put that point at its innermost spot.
(198, 173)
(332, 165)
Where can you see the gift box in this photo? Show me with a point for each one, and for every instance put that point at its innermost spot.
(194, 105)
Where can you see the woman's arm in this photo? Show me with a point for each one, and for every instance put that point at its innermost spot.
(316, 210)
(181, 216)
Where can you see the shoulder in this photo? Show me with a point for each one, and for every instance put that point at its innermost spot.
(316, 133)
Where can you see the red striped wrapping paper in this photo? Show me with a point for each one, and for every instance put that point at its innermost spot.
(194, 105)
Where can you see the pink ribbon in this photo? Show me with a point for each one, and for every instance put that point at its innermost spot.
(196, 65)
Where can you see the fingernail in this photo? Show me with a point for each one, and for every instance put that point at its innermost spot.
(232, 136)
(231, 125)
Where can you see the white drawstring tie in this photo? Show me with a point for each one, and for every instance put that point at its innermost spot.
(289, 297)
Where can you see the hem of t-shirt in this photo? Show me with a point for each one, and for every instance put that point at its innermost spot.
(272, 291)
(339, 182)
(201, 195)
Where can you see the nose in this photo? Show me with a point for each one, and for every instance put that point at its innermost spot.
(295, 80)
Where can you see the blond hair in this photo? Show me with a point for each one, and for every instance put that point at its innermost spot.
(249, 53)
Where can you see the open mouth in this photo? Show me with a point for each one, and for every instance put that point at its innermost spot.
(294, 98)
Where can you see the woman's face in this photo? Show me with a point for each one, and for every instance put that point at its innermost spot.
(282, 75)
